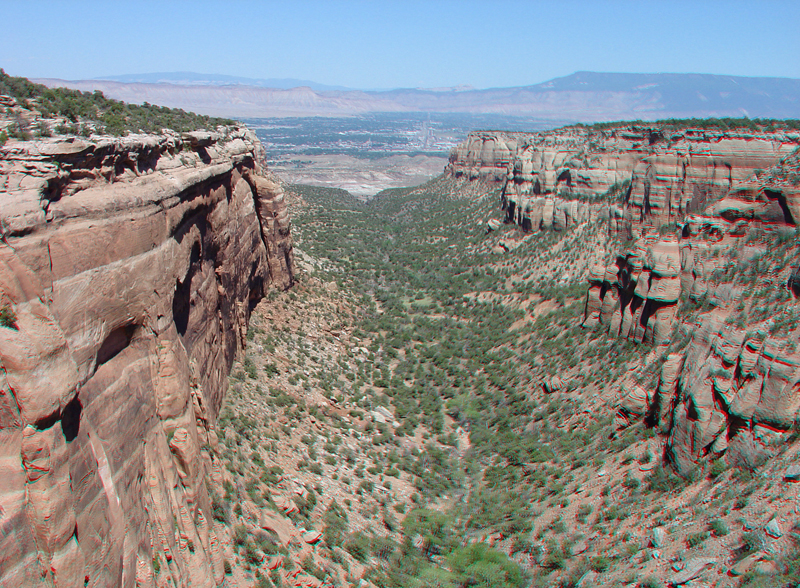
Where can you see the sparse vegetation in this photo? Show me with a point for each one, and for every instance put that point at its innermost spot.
(450, 396)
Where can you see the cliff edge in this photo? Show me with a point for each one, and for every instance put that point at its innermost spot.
(700, 264)
(128, 271)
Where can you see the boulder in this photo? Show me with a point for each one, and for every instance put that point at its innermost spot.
(691, 570)
(312, 536)
(792, 473)
(743, 566)
(658, 537)
(773, 529)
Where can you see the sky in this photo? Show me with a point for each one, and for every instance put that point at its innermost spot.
(371, 44)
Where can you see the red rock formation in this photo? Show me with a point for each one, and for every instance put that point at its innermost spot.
(671, 173)
(733, 387)
(726, 390)
(128, 268)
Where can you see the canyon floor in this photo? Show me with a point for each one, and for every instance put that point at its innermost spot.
(395, 408)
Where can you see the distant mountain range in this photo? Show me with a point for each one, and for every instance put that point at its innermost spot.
(190, 78)
(580, 97)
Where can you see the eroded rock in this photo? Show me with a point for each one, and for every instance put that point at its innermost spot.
(131, 265)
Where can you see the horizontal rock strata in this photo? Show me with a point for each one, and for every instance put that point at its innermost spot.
(634, 176)
(677, 198)
(128, 269)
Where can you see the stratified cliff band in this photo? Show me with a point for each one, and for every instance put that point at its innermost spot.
(693, 211)
(128, 270)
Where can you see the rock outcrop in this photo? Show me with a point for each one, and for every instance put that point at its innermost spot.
(128, 270)
(636, 176)
(694, 207)
(734, 388)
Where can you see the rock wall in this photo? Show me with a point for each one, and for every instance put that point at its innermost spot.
(636, 176)
(128, 269)
(680, 200)
(636, 296)
(735, 388)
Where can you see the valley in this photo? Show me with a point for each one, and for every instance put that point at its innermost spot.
(569, 359)
(454, 378)
(367, 153)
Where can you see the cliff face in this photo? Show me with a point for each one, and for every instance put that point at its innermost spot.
(732, 388)
(557, 178)
(702, 271)
(128, 270)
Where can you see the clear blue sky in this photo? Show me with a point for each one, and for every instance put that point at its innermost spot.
(409, 43)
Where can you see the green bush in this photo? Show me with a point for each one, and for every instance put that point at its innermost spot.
(335, 521)
(717, 468)
(358, 545)
(695, 539)
(600, 563)
(631, 483)
(479, 565)
(250, 368)
(218, 510)
(664, 480)
(239, 535)
(718, 527)
(433, 526)
(115, 117)
(8, 318)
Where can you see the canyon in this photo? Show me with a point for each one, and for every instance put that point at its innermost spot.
(568, 360)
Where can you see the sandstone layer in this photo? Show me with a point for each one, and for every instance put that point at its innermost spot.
(694, 211)
(733, 387)
(129, 268)
(636, 176)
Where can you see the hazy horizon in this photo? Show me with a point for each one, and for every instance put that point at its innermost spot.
(215, 78)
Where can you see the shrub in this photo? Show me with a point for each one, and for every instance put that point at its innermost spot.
(583, 512)
(651, 582)
(717, 468)
(752, 541)
(631, 483)
(719, 528)
(555, 560)
(218, 510)
(250, 368)
(239, 535)
(480, 565)
(695, 539)
(8, 318)
(117, 117)
(358, 546)
(335, 521)
(600, 563)
(433, 526)
(663, 480)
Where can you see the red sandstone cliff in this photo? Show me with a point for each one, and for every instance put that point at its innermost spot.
(128, 269)
(557, 178)
(705, 275)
